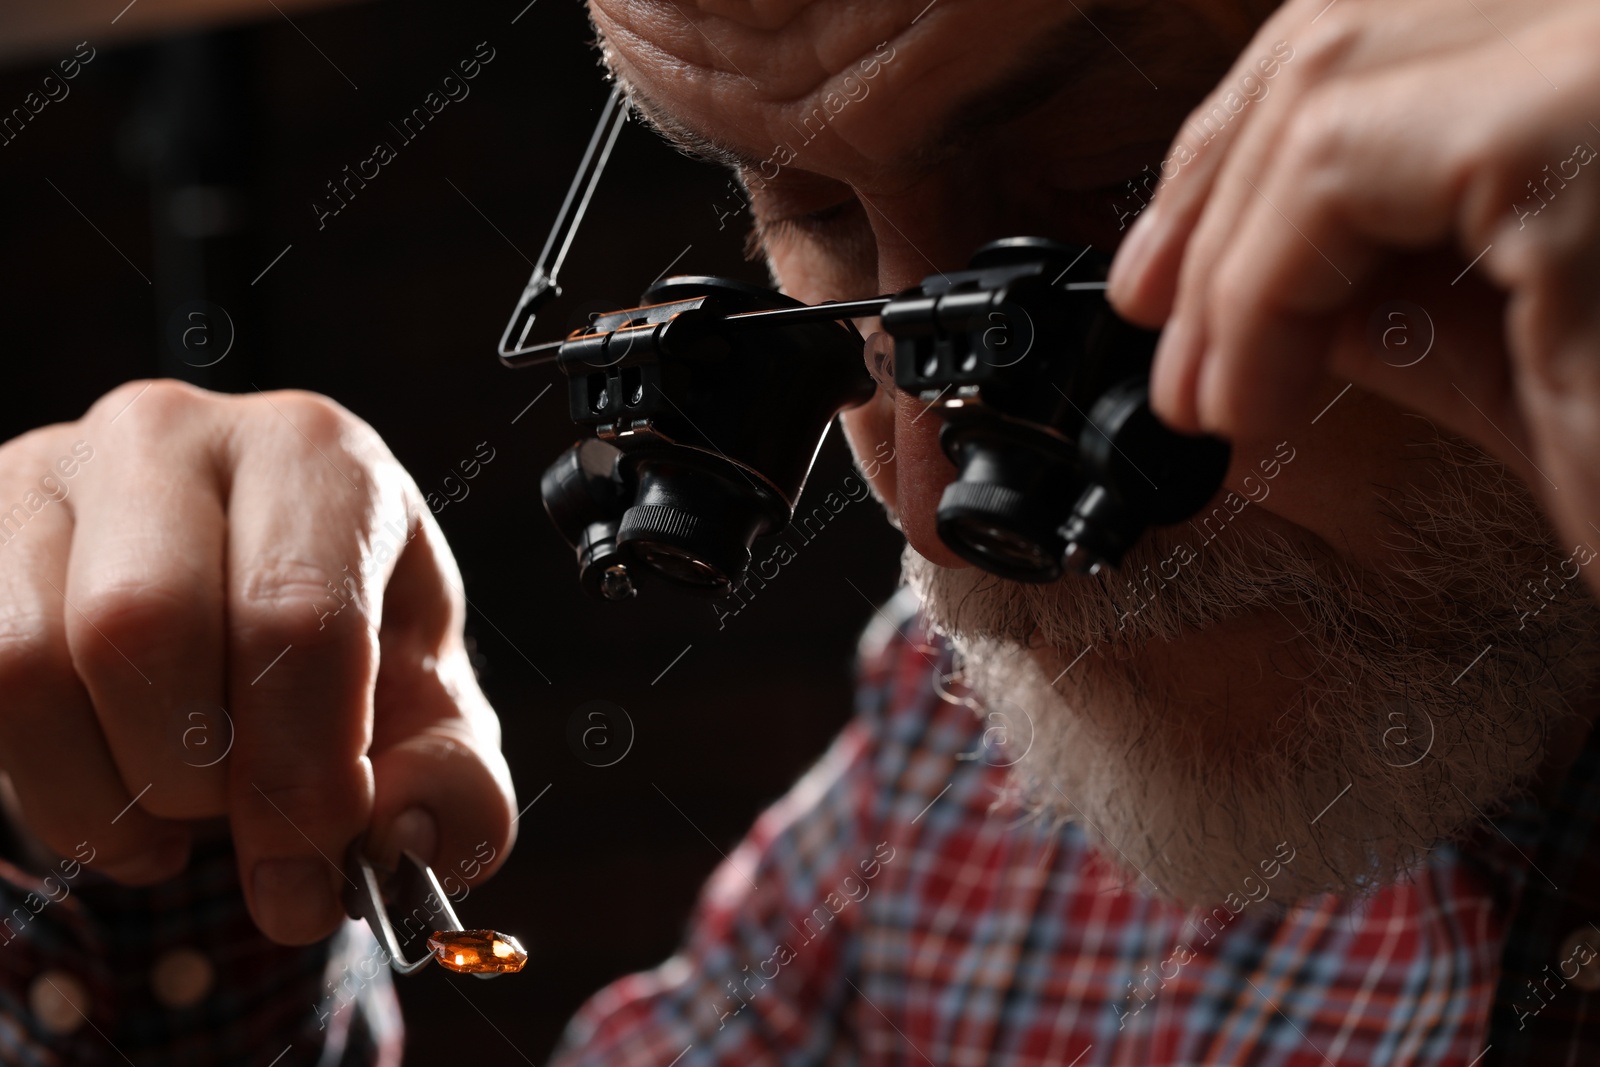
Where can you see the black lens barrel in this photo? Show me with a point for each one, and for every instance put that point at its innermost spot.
(1041, 387)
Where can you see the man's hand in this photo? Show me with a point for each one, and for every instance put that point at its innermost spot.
(184, 575)
(1446, 152)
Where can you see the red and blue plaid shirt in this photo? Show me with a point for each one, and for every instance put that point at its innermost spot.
(895, 908)
(78, 955)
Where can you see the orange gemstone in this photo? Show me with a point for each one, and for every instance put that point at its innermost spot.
(478, 951)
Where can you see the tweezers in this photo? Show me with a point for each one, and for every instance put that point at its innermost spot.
(411, 887)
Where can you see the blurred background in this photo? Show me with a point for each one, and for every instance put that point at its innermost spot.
(160, 219)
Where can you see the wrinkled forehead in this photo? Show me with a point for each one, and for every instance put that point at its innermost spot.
(734, 77)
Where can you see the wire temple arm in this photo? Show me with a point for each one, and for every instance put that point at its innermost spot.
(532, 355)
(826, 312)
(542, 285)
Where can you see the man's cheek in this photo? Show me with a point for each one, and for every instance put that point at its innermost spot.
(869, 429)
(922, 471)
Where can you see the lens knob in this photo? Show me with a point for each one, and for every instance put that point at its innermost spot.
(1003, 510)
(684, 546)
(584, 494)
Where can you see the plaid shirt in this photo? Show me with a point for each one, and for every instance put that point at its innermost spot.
(888, 910)
(78, 954)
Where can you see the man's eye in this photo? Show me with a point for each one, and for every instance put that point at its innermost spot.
(811, 223)
(835, 244)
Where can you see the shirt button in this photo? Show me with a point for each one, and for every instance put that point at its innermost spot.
(1579, 952)
(182, 978)
(59, 1001)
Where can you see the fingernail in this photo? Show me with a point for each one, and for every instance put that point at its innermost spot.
(1175, 350)
(1133, 257)
(415, 831)
(294, 900)
(1174, 371)
(1207, 399)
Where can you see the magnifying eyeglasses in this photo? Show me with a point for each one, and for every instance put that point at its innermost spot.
(708, 402)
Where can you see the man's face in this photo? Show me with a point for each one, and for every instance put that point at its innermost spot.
(973, 120)
(1205, 701)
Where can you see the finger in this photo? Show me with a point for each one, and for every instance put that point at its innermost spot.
(1187, 267)
(1192, 257)
(1303, 46)
(147, 569)
(1362, 167)
(71, 795)
(302, 656)
(1428, 345)
(443, 790)
(1144, 275)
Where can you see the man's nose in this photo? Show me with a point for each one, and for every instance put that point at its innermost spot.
(929, 230)
(924, 233)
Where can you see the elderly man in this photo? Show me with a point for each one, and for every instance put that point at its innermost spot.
(1309, 786)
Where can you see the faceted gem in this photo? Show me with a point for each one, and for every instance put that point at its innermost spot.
(478, 951)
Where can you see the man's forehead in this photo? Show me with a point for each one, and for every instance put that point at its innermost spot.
(779, 52)
(730, 79)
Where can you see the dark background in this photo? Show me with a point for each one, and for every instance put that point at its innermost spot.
(198, 158)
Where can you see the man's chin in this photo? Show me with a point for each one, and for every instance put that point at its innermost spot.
(1196, 800)
(1271, 698)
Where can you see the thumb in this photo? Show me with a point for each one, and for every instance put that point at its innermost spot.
(442, 790)
(441, 786)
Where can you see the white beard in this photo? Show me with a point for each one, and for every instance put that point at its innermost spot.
(1396, 741)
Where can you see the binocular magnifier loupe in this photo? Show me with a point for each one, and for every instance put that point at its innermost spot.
(705, 406)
